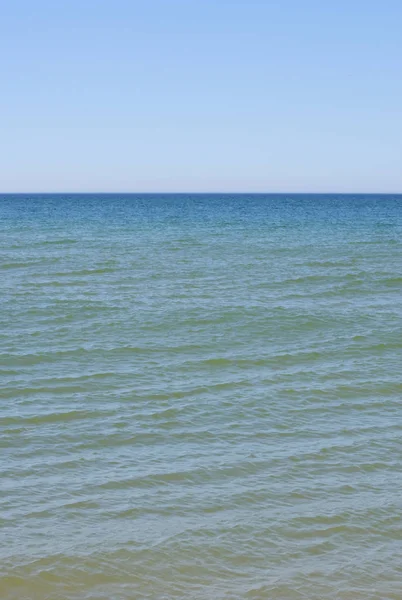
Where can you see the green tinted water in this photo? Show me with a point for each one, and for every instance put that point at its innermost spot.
(200, 397)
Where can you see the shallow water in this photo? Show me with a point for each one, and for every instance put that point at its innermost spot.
(200, 397)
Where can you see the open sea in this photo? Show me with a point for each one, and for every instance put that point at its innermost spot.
(200, 397)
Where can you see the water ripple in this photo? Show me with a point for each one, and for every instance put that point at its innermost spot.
(200, 397)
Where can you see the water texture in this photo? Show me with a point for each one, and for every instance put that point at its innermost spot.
(200, 397)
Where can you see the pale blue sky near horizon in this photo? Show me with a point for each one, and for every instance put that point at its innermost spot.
(201, 95)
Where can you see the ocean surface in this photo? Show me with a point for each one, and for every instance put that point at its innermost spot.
(200, 397)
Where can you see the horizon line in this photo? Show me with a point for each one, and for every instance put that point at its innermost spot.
(192, 193)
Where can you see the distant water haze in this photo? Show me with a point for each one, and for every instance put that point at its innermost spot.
(200, 397)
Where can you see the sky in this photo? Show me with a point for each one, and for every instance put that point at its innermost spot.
(200, 96)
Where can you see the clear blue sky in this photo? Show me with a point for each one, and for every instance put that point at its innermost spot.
(201, 95)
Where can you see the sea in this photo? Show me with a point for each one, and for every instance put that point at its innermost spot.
(200, 397)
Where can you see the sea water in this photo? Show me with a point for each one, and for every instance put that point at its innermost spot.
(200, 397)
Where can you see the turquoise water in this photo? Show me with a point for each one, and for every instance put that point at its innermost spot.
(200, 397)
